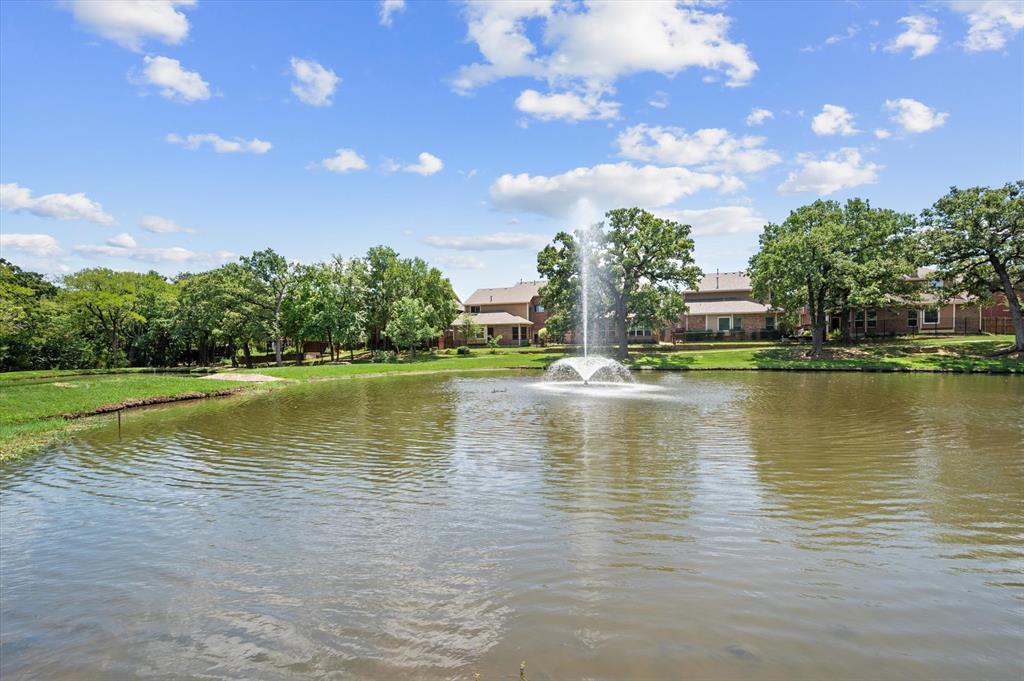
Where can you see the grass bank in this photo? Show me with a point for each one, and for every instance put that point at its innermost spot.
(39, 408)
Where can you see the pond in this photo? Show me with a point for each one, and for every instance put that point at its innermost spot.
(728, 525)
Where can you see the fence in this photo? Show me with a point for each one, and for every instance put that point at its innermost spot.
(997, 325)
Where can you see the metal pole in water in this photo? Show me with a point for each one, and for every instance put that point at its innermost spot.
(119, 423)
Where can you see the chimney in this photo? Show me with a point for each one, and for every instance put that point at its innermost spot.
(716, 280)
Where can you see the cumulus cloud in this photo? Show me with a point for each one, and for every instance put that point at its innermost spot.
(388, 8)
(991, 23)
(460, 262)
(913, 116)
(496, 241)
(343, 161)
(428, 164)
(833, 120)
(314, 84)
(130, 23)
(603, 186)
(708, 148)
(17, 199)
(882, 134)
(587, 46)
(567, 106)
(173, 81)
(236, 145)
(38, 245)
(159, 225)
(838, 170)
(720, 220)
(129, 250)
(123, 240)
(921, 36)
(759, 116)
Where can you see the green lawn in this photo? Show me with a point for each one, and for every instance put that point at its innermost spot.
(34, 404)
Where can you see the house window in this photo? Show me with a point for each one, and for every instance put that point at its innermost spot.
(872, 319)
(931, 315)
(769, 323)
(912, 318)
(538, 308)
(515, 333)
(474, 309)
(858, 320)
(638, 332)
(724, 323)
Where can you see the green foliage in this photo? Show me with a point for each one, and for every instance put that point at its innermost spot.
(640, 264)
(383, 356)
(411, 321)
(462, 350)
(827, 257)
(494, 342)
(975, 237)
(468, 328)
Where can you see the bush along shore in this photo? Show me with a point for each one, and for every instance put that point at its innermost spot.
(38, 408)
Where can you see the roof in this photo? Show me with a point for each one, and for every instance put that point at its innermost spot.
(724, 281)
(495, 319)
(523, 292)
(726, 307)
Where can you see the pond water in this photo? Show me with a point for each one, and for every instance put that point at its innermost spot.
(744, 525)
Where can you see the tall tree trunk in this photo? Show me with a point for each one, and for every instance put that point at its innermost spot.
(234, 355)
(248, 355)
(1013, 303)
(351, 354)
(277, 351)
(114, 347)
(620, 329)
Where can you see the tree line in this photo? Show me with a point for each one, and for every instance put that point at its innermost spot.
(99, 317)
(824, 258)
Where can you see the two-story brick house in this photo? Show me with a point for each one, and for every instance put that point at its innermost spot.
(513, 312)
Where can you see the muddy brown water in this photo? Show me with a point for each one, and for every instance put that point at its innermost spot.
(717, 526)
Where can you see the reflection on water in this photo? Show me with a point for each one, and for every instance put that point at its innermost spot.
(757, 526)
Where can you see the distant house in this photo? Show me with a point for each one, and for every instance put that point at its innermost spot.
(513, 312)
(723, 305)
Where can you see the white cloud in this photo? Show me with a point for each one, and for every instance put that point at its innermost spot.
(428, 165)
(567, 106)
(913, 116)
(460, 262)
(882, 134)
(833, 120)
(709, 148)
(236, 145)
(175, 82)
(851, 31)
(720, 220)
(343, 161)
(131, 251)
(590, 45)
(388, 8)
(314, 84)
(921, 36)
(496, 241)
(659, 100)
(123, 240)
(838, 170)
(759, 116)
(78, 206)
(991, 23)
(603, 186)
(159, 225)
(129, 23)
(39, 245)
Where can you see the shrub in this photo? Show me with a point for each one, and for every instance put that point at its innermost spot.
(383, 356)
(462, 350)
(493, 343)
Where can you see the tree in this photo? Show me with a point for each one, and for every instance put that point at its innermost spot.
(468, 327)
(975, 237)
(269, 279)
(828, 257)
(347, 303)
(111, 299)
(640, 266)
(410, 323)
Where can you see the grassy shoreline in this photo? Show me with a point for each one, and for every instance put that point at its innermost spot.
(36, 410)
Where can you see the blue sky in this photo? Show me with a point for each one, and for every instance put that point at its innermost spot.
(470, 134)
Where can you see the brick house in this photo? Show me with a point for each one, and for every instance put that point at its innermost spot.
(723, 306)
(513, 312)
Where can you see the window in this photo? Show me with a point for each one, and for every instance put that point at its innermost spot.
(931, 315)
(480, 332)
(858, 320)
(538, 308)
(724, 323)
(872, 319)
(769, 323)
(912, 318)
(474, 309)
(515, 333)
(736, 326)
(638, 331)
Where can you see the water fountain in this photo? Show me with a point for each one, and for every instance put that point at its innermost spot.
(590, 371)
